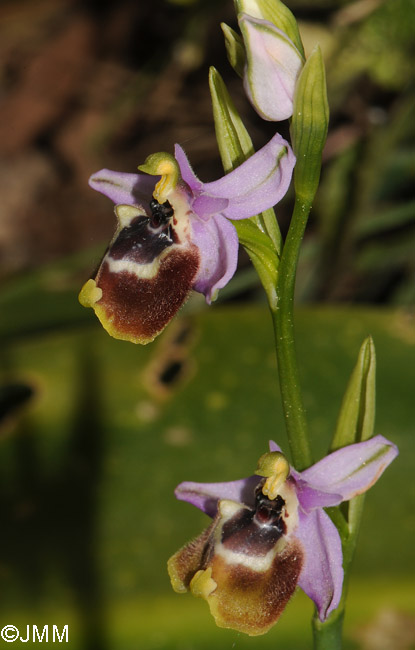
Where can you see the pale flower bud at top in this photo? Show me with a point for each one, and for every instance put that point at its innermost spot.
(273, 64)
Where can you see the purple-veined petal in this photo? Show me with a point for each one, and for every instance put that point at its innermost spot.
(123, 188)
(273, 65)
(353, 469)
(259, 183)
(311, 498)
(205, 496)
(218, 246)
(322, 575)
(206, 206)
(186, 170)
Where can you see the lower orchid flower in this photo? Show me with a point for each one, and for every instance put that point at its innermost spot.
(175, 234)
(271, 534)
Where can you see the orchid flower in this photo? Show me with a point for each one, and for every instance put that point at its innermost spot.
(271, 534)
(174, 234)
(273, 64)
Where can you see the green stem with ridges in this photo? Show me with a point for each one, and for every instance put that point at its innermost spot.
(283, 320)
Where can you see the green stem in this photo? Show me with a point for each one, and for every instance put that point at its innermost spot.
(283, 320)
(328, 635)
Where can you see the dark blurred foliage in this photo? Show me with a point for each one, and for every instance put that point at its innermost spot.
(86, 84)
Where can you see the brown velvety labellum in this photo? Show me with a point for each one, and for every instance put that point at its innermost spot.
(137, 309)
(249, 571)
(252, 601)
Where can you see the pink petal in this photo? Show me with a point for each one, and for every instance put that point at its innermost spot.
(206, 206)
(122, 188)
(353, 469)
(259, 183)
(205, 496)
(218, 246)
(322, 575)
(274, 447)
(311, 498)
(186, 170)
(273, 66)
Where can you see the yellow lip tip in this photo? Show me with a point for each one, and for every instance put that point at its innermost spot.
(126, 213)
(202, 583)
(90, 294)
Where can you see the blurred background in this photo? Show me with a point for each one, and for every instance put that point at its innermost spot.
(95, 433)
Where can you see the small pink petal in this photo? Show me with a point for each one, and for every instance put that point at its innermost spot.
(322, 575)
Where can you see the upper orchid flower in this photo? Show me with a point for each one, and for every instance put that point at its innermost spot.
(270, 534)
(175, 234)
(273, 64)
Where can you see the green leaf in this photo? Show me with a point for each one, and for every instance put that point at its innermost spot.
(357, 413)
(277, 13)
(234, 49)
(309, 125)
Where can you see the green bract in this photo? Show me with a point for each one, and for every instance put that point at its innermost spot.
(309, 125)
(234, 49)
(357, 413)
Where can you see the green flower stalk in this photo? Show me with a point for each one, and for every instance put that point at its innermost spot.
(308, 130)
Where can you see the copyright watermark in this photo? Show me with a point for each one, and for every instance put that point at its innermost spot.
(47, 634)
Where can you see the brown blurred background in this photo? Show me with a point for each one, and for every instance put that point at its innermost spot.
(87, 84)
